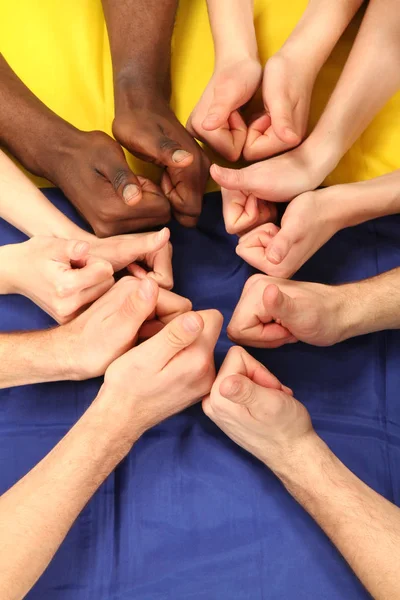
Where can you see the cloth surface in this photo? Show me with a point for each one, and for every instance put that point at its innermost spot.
(188, 515)
(61, 51)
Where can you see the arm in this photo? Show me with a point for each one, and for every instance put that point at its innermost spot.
(89, 167)
(364, 526)
(216, 119)
(27, 209)
(251, 406)
(36, 514)
(290, 75)
(140, 34)
(272, 312)
(368, 80)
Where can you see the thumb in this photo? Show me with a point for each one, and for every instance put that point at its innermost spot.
(282, 119)
(279, 247)
(223, 104)
(124, 182)
(72, 251)
(233, 179)
(139, 303)
(279, 305)
(240, 389)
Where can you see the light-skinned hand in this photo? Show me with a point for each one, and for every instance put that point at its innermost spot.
(216, 119)
(272, 312)
(255, 410)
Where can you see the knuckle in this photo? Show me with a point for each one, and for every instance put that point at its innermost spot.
(233, 330)
(203, 367)
(120, 178)
(174, 338)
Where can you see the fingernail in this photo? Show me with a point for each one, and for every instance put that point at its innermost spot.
(180, 155)
(130, 191)
(161, 234)
(211, 118)
(191, 323)
(146, 289)
(274, 256)
(81, 247)
(233, 389)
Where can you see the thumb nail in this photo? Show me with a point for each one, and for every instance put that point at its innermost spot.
(211, 118)
(146, 289)
(274, 256)
(80, 248)
(130, 192)
(180, 155)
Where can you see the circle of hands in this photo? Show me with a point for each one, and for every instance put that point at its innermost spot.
(174, 363)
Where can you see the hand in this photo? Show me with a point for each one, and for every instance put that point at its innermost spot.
(112, 325)
(152, 249)
(278, 179)
(287, 89)
(58, 275)
(151, 131)
(216, 119)
(308, 223)
(242, 212)
(92, 171)
(165, 374)
(255, 410)
(272, 312)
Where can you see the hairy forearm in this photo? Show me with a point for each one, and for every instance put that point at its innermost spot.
(27, 209)
(369, 79)
(27, 125)
(318, 31)
(232, 25)
(140, 33)
(363, 525)
(33, 357)
(37, 512)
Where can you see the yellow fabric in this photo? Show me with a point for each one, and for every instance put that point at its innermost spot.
(60, 50)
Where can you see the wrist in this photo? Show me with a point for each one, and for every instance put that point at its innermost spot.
(322, 153)
(134, 89)
(10, 261)
(117, 411)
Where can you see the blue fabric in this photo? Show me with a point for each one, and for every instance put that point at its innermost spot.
(188, 515)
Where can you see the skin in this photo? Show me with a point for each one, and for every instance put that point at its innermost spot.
(89, 167)
(140, 34)
(170, 372)
(76, 351)
(312, 218)
(368, 80)
(216, 119)
(249, 404)
(290, 74)
(272, 312)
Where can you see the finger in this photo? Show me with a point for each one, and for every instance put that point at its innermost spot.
(186, 213)
(71, 251)
(279, 305)
(162, 271)
(224, 102)
(91, 294)
(233, 179)
(136, 302)
(241, 390)
(238, 361)
(169, 306)
(95, 271)
(175, 337)
(282, 117)
(261, 236)
(239, 210)
(124, 182)
(280, 247)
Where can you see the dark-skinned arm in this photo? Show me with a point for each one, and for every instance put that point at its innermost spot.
(140, 33)
(89, 167)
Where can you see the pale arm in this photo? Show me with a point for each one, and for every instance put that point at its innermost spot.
(38, 511)
(370, 77)
(27, 209)
(233, 30)
(364, 526)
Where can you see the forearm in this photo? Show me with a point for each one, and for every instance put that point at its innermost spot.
(37, 512)
(232, 25)
(27, 209)
(369, 79)
(354, 203)
(28, 129)
(34, 357)
(364, 526)
(140, 33)
(318, 31)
